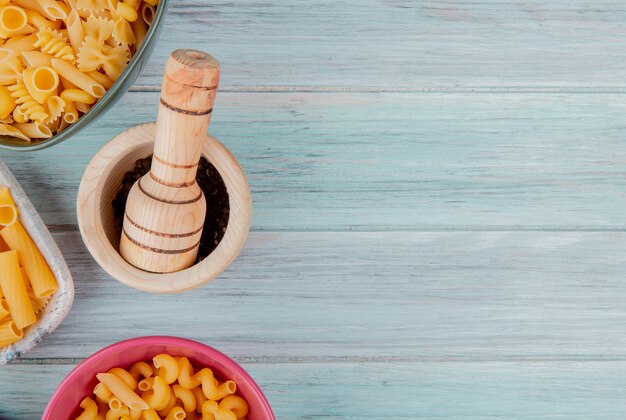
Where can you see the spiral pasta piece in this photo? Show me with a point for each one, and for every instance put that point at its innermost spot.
(29, 107)
(52, 42)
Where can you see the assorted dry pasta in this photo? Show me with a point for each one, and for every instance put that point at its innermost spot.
(57, 58)
(167, 387)
(26, 281)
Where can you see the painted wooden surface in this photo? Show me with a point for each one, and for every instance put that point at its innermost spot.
(438, 224)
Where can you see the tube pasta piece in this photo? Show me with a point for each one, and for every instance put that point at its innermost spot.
(147, 13)
(75, 31)
(79, 78)
(51, 9)
(7, 102)
(9, 333)
(236, 404)
(13, 21)
(4, 309)
(34, 130)
(80, 107)
(159, 396)
(150, 415)
(122, 391)
(167, 367)
(176, 413)
(10, 66)
(90, 409)
(140, 369)
(210, 390)
(36, 58)
(36, 20)
(5, 197)
(8, 215)
(101, 78)
(145, 384)
(199, 397)
(8, 130)
(70, 114)
(41, 279)
(19, 44)
(14, 290)
(140, 30)
(102, 393)
(185, 396)
(53, 42)
(186, 377)
(126, 12)
(125, 376)
(171, 403)
(77, 95)
(41, 82)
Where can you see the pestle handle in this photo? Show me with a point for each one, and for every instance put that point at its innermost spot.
(187, 98)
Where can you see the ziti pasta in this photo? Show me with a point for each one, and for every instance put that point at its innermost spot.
(57, 58)
(167, 387)
(26, 281)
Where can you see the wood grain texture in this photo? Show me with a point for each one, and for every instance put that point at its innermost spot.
(438, 210)
(351, 391)
(402, 44)
(376, 296)
(391, 161)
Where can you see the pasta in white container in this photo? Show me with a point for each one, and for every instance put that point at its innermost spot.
(59, 304)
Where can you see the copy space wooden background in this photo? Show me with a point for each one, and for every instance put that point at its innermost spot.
(439, 210)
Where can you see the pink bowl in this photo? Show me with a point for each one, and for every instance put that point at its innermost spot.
(80, 382)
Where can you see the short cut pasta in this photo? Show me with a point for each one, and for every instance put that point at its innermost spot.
(168, 387)
(26, 282)
(87, 43)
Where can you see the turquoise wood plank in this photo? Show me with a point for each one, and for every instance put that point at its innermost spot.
(391, 161)
(328, 296)
(450, 390)
(400, 44)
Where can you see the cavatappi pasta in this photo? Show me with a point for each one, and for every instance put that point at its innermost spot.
(26, 281)
(57, 58)
(167, 387)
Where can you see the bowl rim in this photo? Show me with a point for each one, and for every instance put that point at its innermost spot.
(63, 297)
(119, 88)
(147, 341)
(88, 205)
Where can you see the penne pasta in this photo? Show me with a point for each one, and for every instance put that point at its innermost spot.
(103, 79)
(8, 214)
(124, 376)
(147, 13)
(13, 21)
(75, 31)
(77, 95)
(14, 290)
(37, 58)
(34, 131)
(122, 391)
(41, 278)
(41, 82)
(9, 333)
(80, 79)
(51, 9)
(70, 115)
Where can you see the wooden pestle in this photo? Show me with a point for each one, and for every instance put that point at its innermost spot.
(165, 210)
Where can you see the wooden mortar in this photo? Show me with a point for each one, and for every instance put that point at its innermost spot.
(101, 182)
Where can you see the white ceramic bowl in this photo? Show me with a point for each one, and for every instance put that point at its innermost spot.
(61, 302)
